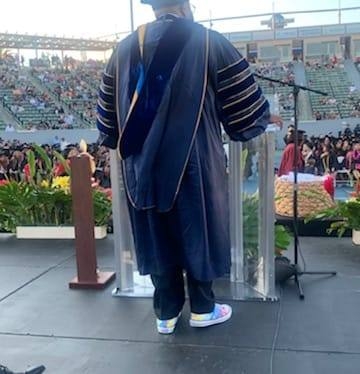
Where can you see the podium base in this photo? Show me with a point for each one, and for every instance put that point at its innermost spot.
(141, 286)
(102, 281)
(225, 289)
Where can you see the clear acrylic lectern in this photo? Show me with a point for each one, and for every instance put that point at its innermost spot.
(251, 195)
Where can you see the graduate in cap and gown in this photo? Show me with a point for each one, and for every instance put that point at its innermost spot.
(288, 157)
(166, 93)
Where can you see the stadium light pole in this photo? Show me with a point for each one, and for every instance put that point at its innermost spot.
(273, 19)
(132, 15)
(339, 11)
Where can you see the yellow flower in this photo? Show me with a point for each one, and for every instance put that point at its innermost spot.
(62, 183)
(44, 183)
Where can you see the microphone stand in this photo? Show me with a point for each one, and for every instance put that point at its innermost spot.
(296, 270)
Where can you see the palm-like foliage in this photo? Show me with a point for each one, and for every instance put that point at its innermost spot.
(346, 216)
(43, 200)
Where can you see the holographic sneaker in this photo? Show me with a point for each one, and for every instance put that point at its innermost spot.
(221, 313)
(167, 326)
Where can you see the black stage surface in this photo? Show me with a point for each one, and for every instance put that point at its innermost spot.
(42, 321)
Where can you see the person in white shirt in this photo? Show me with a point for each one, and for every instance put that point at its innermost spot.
(69, 119)
(63, 144)
(9, 128)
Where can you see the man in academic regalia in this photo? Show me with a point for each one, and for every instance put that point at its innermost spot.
(165, 92)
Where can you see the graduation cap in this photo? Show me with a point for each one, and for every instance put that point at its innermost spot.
(71, 146)
(291, 130)
(301, 134)
(16, 148)
(4, 152)
(156, 4)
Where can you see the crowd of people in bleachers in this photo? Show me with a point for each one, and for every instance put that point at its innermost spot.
(35, 109)
(75, 85)
(285, 70)
(328, 75)
(284, 95)
(324, 63)
(320, 115)
(22, 98)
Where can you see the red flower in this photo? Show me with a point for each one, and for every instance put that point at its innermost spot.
(329, 185)
(108, 193)
(27, 172)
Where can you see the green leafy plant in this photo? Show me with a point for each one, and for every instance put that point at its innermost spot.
(102, 208)
(282, 239)
(45, 200)
(346, 216)
(251, 229)
(25, 204)
(251, 225)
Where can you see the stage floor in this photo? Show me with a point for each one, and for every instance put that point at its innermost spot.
(73, 332)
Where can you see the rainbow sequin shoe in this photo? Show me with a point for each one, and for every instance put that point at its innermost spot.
(221, 313)
(167, 326)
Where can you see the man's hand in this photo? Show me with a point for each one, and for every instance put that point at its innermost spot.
(277, 120)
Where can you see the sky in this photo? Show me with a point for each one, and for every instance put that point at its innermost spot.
(86, 18)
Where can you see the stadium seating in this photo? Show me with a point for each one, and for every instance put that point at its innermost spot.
(333, 80)
(77, 88)
(27, 114)
(2, 125)
(31, 106)
(357, 65)
(63, 91)
(285, 73)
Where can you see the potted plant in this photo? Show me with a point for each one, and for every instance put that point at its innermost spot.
(282, 239)
(283, 267)
(251, 239)
(41, 205)
(346, 216)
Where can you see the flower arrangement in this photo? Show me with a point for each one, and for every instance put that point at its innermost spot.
(43, 199)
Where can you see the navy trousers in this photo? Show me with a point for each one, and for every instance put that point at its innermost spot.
(169, 295)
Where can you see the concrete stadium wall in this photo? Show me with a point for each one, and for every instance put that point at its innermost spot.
(47, 136)
(315, 128)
